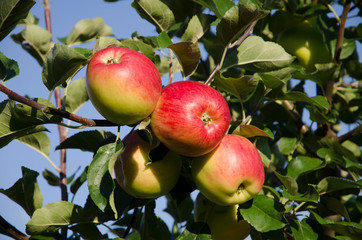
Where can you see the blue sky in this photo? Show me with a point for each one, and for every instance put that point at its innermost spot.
(124, 20)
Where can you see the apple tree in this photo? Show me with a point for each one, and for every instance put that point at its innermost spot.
(290, 73)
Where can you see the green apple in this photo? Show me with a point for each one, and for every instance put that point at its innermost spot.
(306, 42)
(232, 173)
(123, 85)
(141, 178)
(222, 220)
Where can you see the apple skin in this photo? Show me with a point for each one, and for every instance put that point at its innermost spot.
(190, 118)
(305, 41)
(141, 179)
(123, 85)
(231, 174)
(222, 220)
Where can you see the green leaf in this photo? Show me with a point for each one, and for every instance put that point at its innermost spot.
(61, 64)
(263, 213)
(100, 177)
(302, 230)
(287, 145)
(331, 184)
(219, 7)
(188, 54)
(8, 68)
(180, 211)
(318, 101)
(270, 81)
(13, 126)
(11, 12)
(197, 27)
(163, 40)
(51, 178)
(289, 182)
(38, 141)
(236, 20)
(311, 195)
(155, 12)
(26, 192)
(138, 45)
(36, 41)
(152, 227)
(85, 140)
(78, 182)
(240, 87)
(303, 164)
(87, 30)
(30, 19)
(88, 231)
(76, 95)
(255, 54)
(104, 42)
(350, 229)
(56, 215)
(195, 231)
(250, 131)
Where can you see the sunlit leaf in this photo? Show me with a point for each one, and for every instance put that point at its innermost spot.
(302, 230)
(250, 131)
(138, 45)
(219, 7)
(255, 54)
(155, 12)
(188, 54)
(289, 182)
(287, 145)
(195, 231)
(76, 95)
(38, 141)
(58, 214)
(36, 41)
(197, 27)
(104, 42)
(11, 12)
(61, 64)
(87, 30)
(303, 164)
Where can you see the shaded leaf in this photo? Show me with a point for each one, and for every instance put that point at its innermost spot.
(318, 101)
(61, 64)
(11, 12)
(195, 231)
(236, 20)
(51, 178)
(219, 7)
(138, 45)
(263, 213)
(188, 54)
(240, 87)
(56, 215)
(8, 68)
(255, 54)
(88, 231)
(87, 30)
(303, 164)
(76, 95)
(78, 182)
(288, 182)
(36, 41)
(311, 195)
(26, 192)
(85, 140)
(155, 12)
(331, 184)
(350, 229)
(38, 141)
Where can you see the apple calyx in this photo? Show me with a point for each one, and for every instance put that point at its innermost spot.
(112, 60)
(206, 119)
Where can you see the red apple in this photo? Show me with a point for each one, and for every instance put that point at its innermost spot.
(141, 178)
(231, 174)
(222, 220)
(190, 118)
(123, 85)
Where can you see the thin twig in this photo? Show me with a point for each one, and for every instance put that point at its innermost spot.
(54, 111)
(170, 71)
(131, 222)
(355, 5)
(350, 134)
(11, 230)
(230, 49)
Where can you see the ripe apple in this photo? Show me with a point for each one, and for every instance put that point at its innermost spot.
(141, 178)
(190, 118)
(305, 41)
(222, 220)
(231, 174)
(123, 85)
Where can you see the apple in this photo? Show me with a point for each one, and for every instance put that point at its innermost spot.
(222, 220)
(141, 178)
(231, 174)
(305, 41)
(123, 85)
(190, 118)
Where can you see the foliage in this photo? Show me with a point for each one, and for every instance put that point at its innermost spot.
(313, 172)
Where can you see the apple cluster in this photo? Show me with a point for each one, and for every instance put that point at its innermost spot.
(191, 119)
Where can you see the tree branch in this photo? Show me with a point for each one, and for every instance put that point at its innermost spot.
(350, 134)
(12, 231)
(131, 222)
(54, 111)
